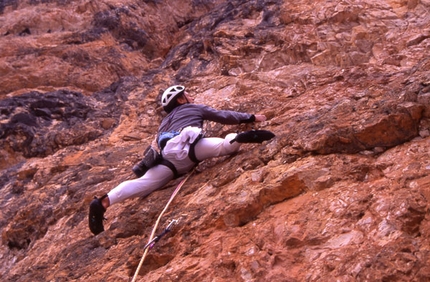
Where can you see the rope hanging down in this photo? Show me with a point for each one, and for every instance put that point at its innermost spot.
(152, 240)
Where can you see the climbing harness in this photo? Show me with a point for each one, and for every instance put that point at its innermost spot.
(151, 158)
(153, 239)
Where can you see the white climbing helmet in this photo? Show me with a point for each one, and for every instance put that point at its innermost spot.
(170, 93)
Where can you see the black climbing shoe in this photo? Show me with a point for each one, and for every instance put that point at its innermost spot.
(96, 216)
(253, 136)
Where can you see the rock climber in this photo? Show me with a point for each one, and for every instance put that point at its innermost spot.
(182, 146)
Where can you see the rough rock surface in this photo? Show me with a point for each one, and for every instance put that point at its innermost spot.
(341, 194)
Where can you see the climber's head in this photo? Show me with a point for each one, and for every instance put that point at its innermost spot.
(173, 97)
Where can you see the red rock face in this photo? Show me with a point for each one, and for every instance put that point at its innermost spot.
(342, 193)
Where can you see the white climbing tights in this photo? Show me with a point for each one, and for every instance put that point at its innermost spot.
(158, 176)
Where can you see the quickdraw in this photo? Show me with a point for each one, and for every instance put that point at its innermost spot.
(158, 237)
